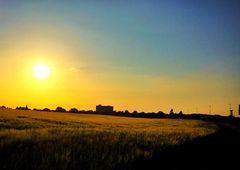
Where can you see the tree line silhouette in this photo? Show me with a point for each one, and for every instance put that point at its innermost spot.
(172, 115)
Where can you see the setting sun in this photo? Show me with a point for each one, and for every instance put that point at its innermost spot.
(41, 71)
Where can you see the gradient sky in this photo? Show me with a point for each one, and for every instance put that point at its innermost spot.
(137, 55)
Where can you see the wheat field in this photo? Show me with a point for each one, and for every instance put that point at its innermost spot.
(51, 140)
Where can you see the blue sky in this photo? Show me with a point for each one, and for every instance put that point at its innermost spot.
(171, 39)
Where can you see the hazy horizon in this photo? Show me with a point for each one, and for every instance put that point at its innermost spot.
(135, 55)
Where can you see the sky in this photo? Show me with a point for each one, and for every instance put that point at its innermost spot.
(133, 54)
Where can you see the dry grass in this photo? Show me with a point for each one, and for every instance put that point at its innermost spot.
(50, 140)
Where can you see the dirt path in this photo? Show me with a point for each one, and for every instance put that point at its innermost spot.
(220, 150)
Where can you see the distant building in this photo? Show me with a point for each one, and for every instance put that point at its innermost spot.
(104, 109)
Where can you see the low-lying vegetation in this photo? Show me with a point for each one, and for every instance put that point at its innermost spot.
(50, 140)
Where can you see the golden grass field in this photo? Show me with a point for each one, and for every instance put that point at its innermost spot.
(51, 140)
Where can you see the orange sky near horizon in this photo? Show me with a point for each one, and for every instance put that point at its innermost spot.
(70, 87)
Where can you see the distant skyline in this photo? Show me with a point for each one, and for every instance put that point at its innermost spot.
(135, 55)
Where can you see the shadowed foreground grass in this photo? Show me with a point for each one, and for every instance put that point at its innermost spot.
(48, 140)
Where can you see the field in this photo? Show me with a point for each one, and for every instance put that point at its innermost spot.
(51, 140)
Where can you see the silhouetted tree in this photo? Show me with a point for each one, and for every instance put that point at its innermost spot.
(180, 113)
(89, 111)
(35, 109)
(135, 112)
(82, 111)
(119, 112)
(171, 112)
(60, 109)
(160, 113)
(46, 109)
(126, 112)
(73, 110)
(142, 114)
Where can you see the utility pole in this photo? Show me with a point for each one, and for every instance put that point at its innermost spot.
(231, 110)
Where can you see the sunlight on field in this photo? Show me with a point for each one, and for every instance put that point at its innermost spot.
(89, 141)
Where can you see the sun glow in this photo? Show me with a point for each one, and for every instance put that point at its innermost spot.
(41, 71)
